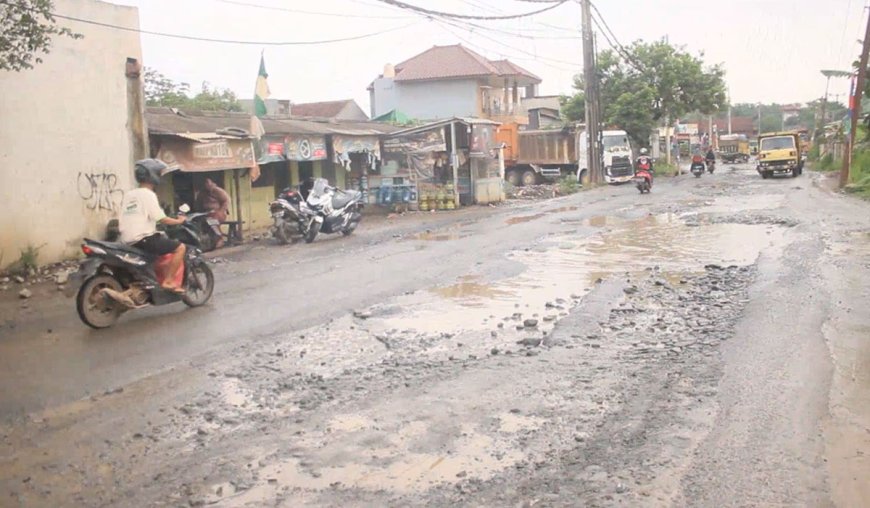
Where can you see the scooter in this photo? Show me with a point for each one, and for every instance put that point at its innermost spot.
(643, 175)
(334, 210)
(116, 277)
(290, 215)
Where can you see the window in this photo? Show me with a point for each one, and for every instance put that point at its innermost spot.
(777, 143)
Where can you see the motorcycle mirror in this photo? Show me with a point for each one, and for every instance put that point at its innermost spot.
(184, 208)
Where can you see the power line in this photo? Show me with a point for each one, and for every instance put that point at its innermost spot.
(456, 24)
(230, 41)
(485, 50)
(301, 11)
(429, 12)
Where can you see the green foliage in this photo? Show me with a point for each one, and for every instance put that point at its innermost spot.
(813, 155)
(162, 91)
(27, 262)
(827, 163)
(26, 30)
(573, 107)
(659, 81)
(568, 185)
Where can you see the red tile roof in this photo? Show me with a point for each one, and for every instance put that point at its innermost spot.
(456, 61)
(326, 109)
(508, 68)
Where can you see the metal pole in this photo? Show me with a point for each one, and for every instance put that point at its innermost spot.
(593, 119)
(856, 106)
(454, 163)
(729, 119)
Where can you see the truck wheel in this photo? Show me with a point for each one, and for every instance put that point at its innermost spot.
(583, 178)
(795, 172)
(530, 177)
(765, 175)
(514, 178)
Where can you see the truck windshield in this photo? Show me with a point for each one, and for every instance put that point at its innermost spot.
(777, 143)
(611, 142)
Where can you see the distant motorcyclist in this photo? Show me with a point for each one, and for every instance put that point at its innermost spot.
(644, 163)
(140, 214)
(711, 156)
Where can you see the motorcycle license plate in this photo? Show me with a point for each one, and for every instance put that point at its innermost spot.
(318, 219)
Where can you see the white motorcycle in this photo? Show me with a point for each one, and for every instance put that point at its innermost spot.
(332, 210)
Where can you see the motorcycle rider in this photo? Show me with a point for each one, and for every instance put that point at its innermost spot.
(644, 162)
(140, 214)
(711, 157)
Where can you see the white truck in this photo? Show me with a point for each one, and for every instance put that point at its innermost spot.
(616, 154)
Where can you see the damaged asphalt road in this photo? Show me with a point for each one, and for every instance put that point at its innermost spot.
(704, 345)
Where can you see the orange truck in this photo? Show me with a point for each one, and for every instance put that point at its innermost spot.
(550, 154)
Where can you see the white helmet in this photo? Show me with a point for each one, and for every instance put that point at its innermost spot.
(644, 151)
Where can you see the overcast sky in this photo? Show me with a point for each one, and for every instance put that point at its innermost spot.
(772, 50)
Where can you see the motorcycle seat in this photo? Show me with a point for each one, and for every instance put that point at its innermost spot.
(118, 246)
(341, 199)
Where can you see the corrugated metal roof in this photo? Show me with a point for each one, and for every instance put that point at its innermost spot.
(171, 121)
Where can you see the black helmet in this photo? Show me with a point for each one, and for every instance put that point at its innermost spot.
(149, 170)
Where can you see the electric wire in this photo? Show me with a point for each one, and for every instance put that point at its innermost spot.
(430, 12)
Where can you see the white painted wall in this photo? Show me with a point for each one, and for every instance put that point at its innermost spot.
(432, 100)
(65, 149)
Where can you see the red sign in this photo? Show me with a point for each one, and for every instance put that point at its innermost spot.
(275, 149)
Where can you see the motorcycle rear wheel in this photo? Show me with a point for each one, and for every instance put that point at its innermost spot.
(95, 310)
(312, 233)
(281, 233)
(196, 297)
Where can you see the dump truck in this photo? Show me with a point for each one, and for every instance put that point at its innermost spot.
(532, 156)
(779, 152)
(734, 148)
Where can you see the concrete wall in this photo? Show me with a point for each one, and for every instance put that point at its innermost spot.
(432, 100)
(65, 147)
(383, 96)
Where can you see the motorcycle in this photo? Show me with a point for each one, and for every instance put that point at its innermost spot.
(290, 215)
(697, 167)
(332, 210)
(204, 228)
(116, 277)
(643, 175)
(711, 165)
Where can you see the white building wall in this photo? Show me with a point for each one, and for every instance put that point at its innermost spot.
(65, 147)
(432, 100)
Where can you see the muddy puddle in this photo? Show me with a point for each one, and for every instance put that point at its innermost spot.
(569, 266)
(399, 459)
(520, 219)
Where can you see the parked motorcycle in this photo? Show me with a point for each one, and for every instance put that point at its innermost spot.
(333, 210)
(116, 277)
(643, 174)
(204, 228)
(290, 215)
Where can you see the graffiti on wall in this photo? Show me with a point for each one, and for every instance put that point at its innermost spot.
(100, 191)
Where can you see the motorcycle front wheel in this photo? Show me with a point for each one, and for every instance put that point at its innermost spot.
(200, 286)
(96, 310)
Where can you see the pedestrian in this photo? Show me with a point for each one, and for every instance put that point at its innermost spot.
(216, 202)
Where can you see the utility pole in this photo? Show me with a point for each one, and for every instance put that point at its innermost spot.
(856, 107)
(729, 118)
(759, 118)
(593, 115)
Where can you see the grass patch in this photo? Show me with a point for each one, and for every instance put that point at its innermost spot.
(568, 185)
(859, 176)
(828, 163)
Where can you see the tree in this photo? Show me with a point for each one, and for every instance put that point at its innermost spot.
(163, 91)
(26, 30)
(573, 107)
(655, 81)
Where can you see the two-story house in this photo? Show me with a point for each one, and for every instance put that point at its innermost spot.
(453, 81)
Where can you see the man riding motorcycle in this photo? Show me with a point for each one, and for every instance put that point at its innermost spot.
(710, 158)
(644, 163)
(140, 214)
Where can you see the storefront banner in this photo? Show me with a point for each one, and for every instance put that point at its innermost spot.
(212, 155)
(305, 148)
(482, 138)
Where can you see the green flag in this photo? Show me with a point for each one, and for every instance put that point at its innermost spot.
(261, 91)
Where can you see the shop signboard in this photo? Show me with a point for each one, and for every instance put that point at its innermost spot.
(305, 148)
(210, 155)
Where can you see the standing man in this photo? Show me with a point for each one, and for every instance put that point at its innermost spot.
(140, 214)
(216, 202)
